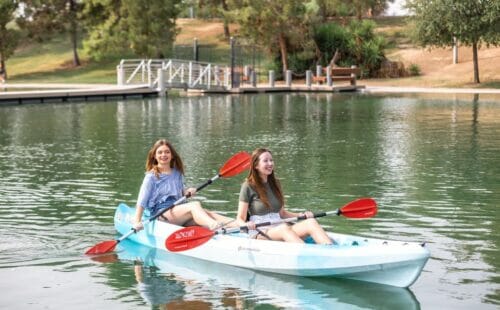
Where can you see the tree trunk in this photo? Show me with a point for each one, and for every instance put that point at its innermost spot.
(476, 62)
(3, 70)
(73, 33)
(284, 52)
(227, 34)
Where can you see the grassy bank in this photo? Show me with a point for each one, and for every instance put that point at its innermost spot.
(51, 62)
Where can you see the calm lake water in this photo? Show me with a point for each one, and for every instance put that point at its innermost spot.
(431, 163)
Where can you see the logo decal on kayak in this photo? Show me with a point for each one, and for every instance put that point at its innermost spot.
(240, 248)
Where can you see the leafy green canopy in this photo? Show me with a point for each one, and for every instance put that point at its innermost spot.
(9, 36)
(437, 22)
(146, 28)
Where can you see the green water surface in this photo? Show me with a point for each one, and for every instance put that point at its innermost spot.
(431, 163)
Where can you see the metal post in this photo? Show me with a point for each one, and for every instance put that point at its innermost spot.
(353, 76)
(329, 80)
(231, 42)
(271, 78)
(455, 50)
(195, 49)
(253, 78)
(288, 78)
(308, 78)
(318, 73)
(120, 75)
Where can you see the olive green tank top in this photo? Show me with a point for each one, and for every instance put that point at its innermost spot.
(255, 205)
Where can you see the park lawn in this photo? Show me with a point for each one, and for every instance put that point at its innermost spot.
(51, 62)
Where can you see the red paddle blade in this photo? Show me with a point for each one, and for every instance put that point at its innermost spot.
(103, 247)
(361, 208)
(188, 238)
(235, 165)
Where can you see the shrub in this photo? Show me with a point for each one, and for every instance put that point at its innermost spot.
(414, 70)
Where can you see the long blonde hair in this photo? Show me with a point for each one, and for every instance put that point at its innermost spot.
(152, 163)
(255, 181)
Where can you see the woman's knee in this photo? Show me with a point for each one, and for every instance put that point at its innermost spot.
(195, 205)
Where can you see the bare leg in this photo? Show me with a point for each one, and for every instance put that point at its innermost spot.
(283, 232)
(191, 211)
(311, 227)
(227, 221)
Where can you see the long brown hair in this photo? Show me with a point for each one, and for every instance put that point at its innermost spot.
(152, 163)
(255, 181)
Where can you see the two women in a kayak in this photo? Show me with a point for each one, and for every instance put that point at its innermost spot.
(261, 199)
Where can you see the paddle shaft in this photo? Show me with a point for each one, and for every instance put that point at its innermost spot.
(287, 220)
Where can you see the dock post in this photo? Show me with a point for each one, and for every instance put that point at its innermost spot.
(289, 78)
(271, 78)
(329, 80)
(120, 75)
(253, 78)
(353, 76)
(308, 78)
(161, 83)
(318, 74)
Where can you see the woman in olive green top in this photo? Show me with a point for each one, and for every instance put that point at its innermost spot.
(262, 199)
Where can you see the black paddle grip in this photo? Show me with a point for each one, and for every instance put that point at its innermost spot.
(202, 186)
(320, 214)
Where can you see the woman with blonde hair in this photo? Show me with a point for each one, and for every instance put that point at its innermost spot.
(163, 185)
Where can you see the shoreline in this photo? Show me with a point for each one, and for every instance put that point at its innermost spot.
(366, 88)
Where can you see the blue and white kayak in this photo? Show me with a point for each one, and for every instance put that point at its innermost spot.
(218, 282)
(380, 261)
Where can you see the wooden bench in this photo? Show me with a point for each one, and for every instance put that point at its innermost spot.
(340, 74)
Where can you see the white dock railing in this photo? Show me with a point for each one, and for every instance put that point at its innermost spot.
(161, 74)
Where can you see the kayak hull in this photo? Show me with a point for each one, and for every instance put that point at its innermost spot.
(387, 262)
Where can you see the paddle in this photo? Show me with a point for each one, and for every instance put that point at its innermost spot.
(235, 165)
(193, 236)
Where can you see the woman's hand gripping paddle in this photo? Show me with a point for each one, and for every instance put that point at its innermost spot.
(235, 165)
(194, 236)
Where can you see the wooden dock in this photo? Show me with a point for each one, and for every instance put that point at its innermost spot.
(99, 92)
(78, 94)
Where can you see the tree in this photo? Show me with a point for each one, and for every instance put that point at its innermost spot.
(472, 22)
(271, 23)
(9, 37)
(43, 19)
(147, 28)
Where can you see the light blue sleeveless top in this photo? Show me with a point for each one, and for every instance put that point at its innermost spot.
(156, 191)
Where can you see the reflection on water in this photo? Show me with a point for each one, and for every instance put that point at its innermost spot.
(170, 279)
(432, 164)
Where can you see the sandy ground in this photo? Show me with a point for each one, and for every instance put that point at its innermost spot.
(438, 70)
